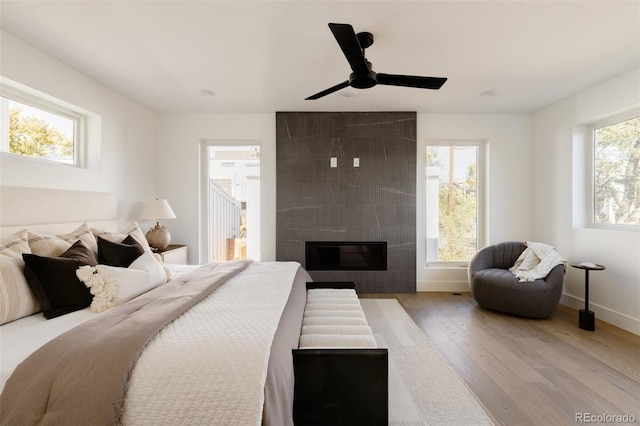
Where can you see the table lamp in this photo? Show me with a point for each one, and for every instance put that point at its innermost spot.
(158, 236)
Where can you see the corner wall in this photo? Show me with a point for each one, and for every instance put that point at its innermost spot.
(127, 148)
(560, 201)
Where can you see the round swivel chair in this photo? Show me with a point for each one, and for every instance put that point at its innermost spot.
(496, 288)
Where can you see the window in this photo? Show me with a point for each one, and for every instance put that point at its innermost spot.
(38, 127)
(616, 172)
(454, 200)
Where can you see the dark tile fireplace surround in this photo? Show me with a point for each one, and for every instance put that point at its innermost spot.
(374, 203)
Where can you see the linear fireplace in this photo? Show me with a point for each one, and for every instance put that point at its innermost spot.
(346, 255)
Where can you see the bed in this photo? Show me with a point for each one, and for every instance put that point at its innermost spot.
(213, 345)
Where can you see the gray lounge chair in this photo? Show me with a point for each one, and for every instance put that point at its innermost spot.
(496, 288)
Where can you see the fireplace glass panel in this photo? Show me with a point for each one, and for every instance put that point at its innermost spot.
(346, 255)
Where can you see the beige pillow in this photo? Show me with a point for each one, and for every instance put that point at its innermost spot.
(117, 237)
(16, 298)
(55, 245)
(15, 244)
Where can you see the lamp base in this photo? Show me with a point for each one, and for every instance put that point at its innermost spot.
(158, 237)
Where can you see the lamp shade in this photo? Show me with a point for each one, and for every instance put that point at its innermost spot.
(157, 209)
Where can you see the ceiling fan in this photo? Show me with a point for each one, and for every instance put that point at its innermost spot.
(363, 76)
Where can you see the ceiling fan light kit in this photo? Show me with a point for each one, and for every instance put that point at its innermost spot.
(363, 77)
(349, 92)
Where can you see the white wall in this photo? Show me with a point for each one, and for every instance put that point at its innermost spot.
(126, 154)
(509, 183)
(180, 178)
(560, 200)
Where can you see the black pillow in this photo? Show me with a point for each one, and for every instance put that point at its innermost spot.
(54, 280)
(119, 254)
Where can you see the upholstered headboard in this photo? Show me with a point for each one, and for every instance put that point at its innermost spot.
(55, 210)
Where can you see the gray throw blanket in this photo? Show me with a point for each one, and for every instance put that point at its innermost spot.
(80, 378)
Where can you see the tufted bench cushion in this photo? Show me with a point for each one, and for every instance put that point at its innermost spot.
(333, 318)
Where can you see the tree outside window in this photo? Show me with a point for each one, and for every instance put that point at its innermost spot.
(452, 203)
(616, 166)
(38, 133)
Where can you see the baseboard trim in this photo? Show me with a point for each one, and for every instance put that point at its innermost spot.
(618, 319)
(443, 286)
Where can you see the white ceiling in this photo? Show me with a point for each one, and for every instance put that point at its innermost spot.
(265, 56)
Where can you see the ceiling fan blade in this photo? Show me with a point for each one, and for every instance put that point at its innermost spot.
(328, 91)
(348, 41)
(411, 81)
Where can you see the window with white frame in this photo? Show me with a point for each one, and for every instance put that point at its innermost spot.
(615, 173)
(39, 127)
(454, 200)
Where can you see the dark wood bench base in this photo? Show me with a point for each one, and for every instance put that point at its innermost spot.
(341, 387)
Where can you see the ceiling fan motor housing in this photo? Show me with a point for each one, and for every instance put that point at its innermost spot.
(363, 81)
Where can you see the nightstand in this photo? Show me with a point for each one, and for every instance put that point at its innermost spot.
(175, 254)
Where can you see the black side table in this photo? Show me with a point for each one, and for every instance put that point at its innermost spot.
(587, 318)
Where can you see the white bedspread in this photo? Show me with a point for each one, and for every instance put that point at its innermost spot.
(223, 345)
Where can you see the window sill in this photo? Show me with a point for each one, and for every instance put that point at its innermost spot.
(610, 227)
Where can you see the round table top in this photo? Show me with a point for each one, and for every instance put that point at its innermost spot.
(588, 266)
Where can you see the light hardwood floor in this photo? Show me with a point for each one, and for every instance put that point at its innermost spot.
(533, 372)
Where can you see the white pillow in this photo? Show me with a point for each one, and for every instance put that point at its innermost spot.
(148, 263)
(112, 286)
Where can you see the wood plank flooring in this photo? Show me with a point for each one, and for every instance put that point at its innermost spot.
(533, 372)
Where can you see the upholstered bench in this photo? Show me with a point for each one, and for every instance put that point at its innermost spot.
(333, 318)
(341, 376)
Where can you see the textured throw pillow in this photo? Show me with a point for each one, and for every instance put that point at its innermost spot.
(55, 245)
(54, 280)
(117, 237)
(118, 254)
(15, 244)
(17, 300)
(112, 286)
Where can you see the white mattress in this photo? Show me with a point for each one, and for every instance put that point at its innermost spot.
(18, 339)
